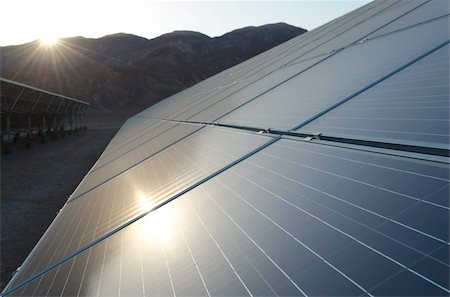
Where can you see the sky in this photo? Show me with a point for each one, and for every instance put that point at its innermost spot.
(27, 20)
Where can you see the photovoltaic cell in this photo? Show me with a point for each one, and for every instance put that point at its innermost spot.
(362, 26)
(410, 107)
(429, 11)
(335, 78)
(126, 158)
(267, 227)
(140, 136)
(117, 201)
(214, 110)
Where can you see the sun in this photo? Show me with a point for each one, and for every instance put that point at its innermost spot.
(48, 40)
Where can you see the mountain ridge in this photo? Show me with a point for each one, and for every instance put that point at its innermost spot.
(126, 71)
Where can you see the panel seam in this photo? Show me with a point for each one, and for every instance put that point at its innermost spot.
(107, 235)
(411, 62)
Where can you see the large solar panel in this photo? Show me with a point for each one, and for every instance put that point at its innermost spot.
(309, 93)
(318, 168)
(107, 204)
(411, 106)
(321, 206)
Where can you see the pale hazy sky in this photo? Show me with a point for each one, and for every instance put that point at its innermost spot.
(27, 20)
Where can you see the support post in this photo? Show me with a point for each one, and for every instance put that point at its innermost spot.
(10, 148)
(44, 135)
(44, 125)
(30, 128)
(30, 142)
(55, 127)
(77, 122)
(8, 128)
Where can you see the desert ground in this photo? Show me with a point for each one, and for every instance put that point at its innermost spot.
(36, 182)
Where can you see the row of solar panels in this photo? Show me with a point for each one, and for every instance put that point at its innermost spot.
(176, 206)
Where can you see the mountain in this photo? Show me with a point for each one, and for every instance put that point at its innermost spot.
(124, 71)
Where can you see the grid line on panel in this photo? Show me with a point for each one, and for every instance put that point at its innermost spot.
(411, 106)
(295, 238)
(136, 147)
(370, 86)
(256, 244)
(133, 166)
(390, 131)
(180, 232)
(370, 164)
(336, 229)
(168, 272)
(428, 255)
(424, 150)
(363, 40)
(402, 119)
(141, 266)
(235, 171)
(359, 207)
(370, 185)
(242, 253)
(92, 169)
(408, 269)
(62, 236)
(326, 58)
(131, 221)
(294, 62)
(120, 145)
(220, 250)
(122, 138)
(410, 26)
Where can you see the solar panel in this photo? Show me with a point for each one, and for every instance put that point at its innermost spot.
(307, 94)
(319, 214)
(101, 207)
(318, 168)
(412, 106)
(429, 11)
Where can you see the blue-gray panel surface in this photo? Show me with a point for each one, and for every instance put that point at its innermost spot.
(336, 78)
(117, 201)
(410, 107)
(296, 219)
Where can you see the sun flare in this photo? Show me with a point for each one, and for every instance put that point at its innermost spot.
(48, 40)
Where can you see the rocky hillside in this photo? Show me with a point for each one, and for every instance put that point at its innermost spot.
(124, 71)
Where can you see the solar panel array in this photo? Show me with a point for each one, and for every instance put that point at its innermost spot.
(317, 168)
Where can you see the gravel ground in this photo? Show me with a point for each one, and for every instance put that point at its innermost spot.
(35, 183)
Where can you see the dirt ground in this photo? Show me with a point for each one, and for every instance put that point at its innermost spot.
(36, 182)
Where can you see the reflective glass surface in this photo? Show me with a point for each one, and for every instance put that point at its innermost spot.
(114, 203)
(411, 106)
(336, 78)
(295, 219)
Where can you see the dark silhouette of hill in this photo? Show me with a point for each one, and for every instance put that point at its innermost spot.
(128, 72)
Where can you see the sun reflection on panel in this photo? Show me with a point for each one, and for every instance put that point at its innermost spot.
(158, 225)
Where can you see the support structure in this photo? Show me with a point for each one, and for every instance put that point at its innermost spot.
(29, 108)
